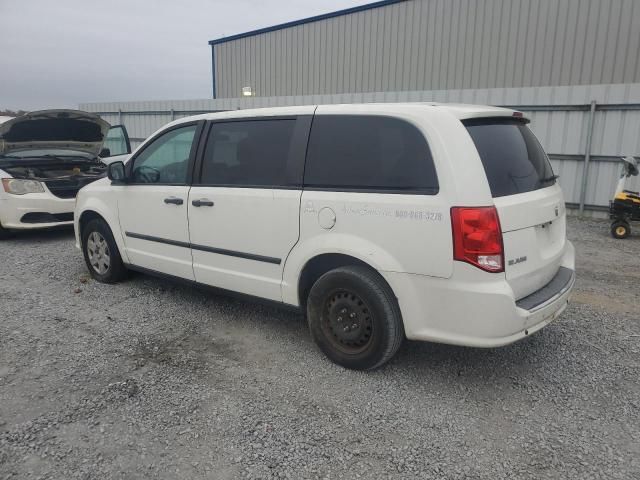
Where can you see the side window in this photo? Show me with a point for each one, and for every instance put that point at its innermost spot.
(248, 153)
(166, 159)
(369, 153)
(116, 142)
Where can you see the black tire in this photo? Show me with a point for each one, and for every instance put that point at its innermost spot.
(360, 295)
(620, 229)
(4, 233)
(116, 271)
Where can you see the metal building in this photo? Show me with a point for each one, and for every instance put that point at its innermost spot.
(405, 45)
(572, 66)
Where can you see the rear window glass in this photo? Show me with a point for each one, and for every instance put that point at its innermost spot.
(513, 159)
(360, 152)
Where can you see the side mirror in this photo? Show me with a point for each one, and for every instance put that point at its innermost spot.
(116, 173)
(104, 153)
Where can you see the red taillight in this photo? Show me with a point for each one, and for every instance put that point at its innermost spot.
(477, 238)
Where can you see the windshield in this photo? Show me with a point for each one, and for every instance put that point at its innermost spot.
(60, 153)
(513, 159)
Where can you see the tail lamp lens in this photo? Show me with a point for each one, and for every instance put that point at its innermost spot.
(477, 237)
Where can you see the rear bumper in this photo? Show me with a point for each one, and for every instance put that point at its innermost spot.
(476, 309)
(540, 299)
(35, 210)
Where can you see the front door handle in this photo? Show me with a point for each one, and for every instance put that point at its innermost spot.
(203, 202)
(174, 201)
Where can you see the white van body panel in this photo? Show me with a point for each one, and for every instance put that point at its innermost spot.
(102, 200)
(265, 224)
(472, 308)
(534, 234)
(420, 222)
(143, 211)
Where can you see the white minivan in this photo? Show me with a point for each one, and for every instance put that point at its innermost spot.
(433, 222)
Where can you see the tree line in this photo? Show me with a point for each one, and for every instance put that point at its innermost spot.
(12, 113)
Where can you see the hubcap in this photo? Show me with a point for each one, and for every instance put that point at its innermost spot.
(98, 252)
(621, 230)
(347, 322)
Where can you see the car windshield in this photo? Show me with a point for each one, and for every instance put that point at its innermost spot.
(39, 153)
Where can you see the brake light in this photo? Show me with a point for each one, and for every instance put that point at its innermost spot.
(477, 237)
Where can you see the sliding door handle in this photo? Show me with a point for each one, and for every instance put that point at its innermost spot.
(203, 202)
(174, 201)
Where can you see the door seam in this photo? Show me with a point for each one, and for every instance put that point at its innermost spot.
(193, 270)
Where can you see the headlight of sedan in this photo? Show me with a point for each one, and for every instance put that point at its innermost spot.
(17, 186)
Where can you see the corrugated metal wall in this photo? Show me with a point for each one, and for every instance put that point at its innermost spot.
(559, 117)
(439, 44)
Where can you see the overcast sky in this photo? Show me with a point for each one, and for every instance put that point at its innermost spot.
(59, 53)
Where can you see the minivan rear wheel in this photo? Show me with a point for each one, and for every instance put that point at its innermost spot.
(101, 253)
(354, 318)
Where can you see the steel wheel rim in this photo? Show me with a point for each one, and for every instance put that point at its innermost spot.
(98, 253)
(347, 322)
(621, 230)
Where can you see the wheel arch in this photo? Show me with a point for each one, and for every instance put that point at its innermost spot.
(86, 217)
(321, 253)
(90, 212)
(322, 263)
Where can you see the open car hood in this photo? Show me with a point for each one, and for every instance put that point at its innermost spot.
(54, 129)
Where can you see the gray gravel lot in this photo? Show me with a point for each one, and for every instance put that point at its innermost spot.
(150, 379)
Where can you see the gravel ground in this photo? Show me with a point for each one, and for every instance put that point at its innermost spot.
(153, 379)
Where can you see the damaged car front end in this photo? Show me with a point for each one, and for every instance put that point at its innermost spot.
(46, 157)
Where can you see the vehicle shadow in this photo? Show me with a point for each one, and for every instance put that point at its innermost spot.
(46, 235)
(423, 358)
(459, 359)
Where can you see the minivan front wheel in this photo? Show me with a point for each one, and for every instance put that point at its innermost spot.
(101, 253)
(354, 318)
(4, 233)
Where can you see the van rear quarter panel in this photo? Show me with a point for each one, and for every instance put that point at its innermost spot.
(392, 232)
